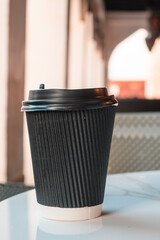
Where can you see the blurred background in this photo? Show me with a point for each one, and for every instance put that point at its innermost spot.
(79, 44)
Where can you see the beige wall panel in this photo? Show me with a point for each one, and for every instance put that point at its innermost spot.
(76, 45)
(4, 17)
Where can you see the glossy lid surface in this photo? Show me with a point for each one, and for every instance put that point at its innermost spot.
(68, 99)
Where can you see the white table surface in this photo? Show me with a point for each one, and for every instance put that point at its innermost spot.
(131, 210)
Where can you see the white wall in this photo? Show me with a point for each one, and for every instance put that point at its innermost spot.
(4, 8)
(153, 86)
(100, 70)
(90, 50)
(76, 45)
(93, 62)
(45, 54)
(45, 43)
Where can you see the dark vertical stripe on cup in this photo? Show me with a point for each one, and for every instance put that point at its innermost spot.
(70, 151)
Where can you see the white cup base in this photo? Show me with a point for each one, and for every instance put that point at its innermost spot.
(70, 214)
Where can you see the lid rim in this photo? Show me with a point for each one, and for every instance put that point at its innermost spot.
(68, 99)
(67, 108)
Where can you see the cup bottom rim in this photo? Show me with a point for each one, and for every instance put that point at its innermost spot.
(70, 214)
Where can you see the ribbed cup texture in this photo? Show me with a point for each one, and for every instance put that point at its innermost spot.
(70, 151)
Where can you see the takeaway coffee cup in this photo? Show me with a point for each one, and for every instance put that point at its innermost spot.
(70, 134)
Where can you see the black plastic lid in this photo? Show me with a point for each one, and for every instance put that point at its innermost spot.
(67, 99)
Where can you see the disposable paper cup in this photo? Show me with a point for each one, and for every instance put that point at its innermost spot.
(70, 134)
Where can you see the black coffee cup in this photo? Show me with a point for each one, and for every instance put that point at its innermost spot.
(70, 135)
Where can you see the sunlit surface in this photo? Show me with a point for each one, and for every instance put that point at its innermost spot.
(130, 60)
(154, 83)
(134, 71)
(130, 67)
